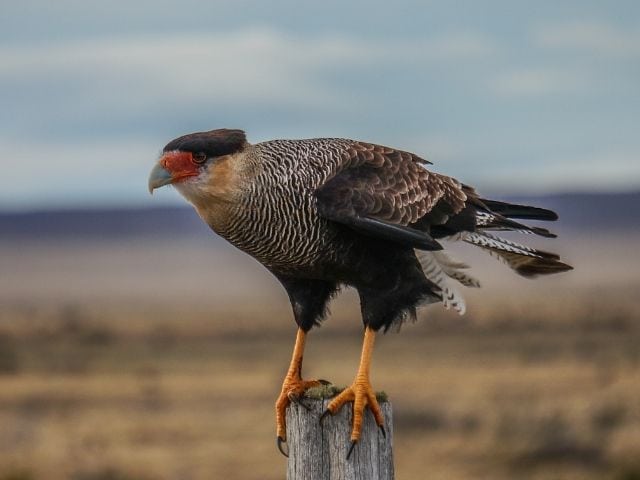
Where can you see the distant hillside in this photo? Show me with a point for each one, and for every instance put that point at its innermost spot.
(103, 223)
(578, 211)
(586, 211)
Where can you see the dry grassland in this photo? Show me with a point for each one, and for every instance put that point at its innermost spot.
(152, 362)
(141, 396)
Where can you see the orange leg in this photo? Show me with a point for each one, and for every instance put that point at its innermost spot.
(293, 387)
(360, 392)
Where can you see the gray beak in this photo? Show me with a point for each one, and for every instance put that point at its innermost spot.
(159, 177)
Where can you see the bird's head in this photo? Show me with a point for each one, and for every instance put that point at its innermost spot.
(198, 162)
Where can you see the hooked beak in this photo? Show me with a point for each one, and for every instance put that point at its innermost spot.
(159, 177)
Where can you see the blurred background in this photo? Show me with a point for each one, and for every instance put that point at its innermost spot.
(135, 344)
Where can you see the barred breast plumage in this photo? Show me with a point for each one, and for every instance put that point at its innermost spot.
(276, 219)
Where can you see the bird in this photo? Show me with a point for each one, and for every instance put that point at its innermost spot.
(324, 213)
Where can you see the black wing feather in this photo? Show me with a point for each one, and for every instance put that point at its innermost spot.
(524, 212)
(385, 193)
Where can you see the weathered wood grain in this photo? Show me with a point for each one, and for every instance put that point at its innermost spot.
(319, 451)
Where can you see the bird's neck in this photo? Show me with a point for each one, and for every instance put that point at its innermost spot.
(220, 188)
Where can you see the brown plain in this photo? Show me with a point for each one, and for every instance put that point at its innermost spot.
(147, 360)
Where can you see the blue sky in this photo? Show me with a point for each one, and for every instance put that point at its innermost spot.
(510, 96)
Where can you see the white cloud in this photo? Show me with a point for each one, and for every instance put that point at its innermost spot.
(80, 173)
(253, 66)
(440, 148)
(591, 37)
(600, 171)
(259, 66)
(540, 81)
(573, 54)
(453, 46)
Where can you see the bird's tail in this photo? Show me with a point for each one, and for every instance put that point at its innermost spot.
(526, 261)
(491, 215)
(529, 262)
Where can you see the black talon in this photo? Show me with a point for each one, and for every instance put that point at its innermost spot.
(353, 444)
(324, 382)
(383, 431)
(324, 415)
(280, 442)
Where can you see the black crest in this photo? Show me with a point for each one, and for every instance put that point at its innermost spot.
(213, 143)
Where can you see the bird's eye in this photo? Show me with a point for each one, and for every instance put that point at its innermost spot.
(199, 158)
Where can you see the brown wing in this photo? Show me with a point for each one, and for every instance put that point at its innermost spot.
(389, 193)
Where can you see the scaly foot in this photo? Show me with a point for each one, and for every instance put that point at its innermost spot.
(362, 395)
(293, 389)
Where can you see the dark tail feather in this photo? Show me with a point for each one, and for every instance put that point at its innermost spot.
(499, 222)
(532, 267)
(512, 210)
(528, 262)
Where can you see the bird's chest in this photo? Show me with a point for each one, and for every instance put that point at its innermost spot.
(280, 227)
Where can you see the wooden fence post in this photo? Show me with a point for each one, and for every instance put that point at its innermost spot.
(318, 451)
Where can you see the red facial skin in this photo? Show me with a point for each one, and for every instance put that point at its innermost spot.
(180, 165)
